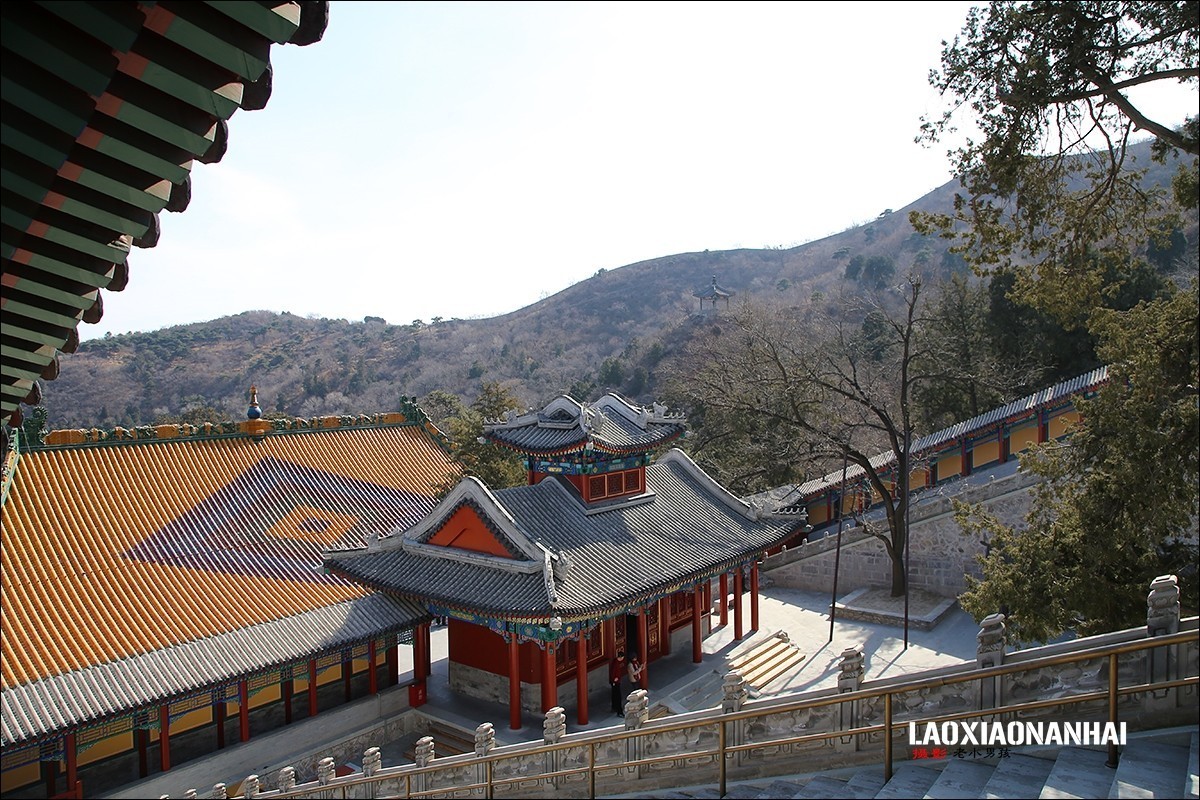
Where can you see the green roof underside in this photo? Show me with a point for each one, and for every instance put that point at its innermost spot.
(106, 105)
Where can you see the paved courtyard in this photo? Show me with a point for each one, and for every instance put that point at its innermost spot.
(802, 614)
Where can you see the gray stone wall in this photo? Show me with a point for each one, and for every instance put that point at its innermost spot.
(942, 555)
(485, 685)
(475, 682)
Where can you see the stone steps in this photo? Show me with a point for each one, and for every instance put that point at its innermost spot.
(1149, 767)
(1191, 784)
(447, 741)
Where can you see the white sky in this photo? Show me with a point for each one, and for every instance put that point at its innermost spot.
(468, 159)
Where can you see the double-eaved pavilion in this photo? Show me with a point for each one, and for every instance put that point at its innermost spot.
(713, 293)
(602, 550)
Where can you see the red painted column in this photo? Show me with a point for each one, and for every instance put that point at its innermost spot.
(164, 737)
(285, 691)
(419, 659)
(244, 710)
(427, 649)
(697, 598)
(664, 625)
(347, 675)
(737, 603)
(644, 649)
(753, 595)
(142, 736)
(393, 664)
(72, 759)
(372, 678)
(50, 771)
(219, 718)
(312, 687)
(581, 679)
(549, 678)
(724, 596)
(514, 683)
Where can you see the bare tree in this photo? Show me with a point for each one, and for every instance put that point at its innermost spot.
(837, 377)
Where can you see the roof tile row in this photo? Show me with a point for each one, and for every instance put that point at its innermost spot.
(114, 552)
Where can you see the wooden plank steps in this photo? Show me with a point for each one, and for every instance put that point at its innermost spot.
(767, 660)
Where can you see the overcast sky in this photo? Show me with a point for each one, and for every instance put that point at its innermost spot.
(468, 159)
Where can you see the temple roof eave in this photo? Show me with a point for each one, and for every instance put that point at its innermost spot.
(33, 711)
(567, 614)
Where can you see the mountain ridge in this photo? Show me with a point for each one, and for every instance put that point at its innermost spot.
(608, 332)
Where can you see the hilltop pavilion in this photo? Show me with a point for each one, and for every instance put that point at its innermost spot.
(713, 293)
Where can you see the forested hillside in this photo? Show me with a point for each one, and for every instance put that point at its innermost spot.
(613, 331)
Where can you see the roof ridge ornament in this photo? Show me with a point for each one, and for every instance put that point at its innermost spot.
(254, 411)
(548, 575)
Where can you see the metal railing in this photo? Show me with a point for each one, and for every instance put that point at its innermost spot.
(723, 752)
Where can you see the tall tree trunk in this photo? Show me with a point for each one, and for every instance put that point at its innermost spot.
(898, 583)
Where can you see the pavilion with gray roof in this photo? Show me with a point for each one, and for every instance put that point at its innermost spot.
(603, 550)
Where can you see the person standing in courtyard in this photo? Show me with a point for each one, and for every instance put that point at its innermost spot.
(616, 668)
(635, 671)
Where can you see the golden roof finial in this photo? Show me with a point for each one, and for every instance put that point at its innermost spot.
(254, 412)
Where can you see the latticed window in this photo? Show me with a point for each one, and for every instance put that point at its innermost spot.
(614, 484)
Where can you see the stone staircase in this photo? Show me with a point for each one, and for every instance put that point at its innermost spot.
(759, 662)
(1161, 765)
(449, 740)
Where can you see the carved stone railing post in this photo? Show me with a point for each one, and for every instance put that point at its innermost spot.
(1162, 619)
(372, 762)
(485, 742)
(424, 752)
(219, 792)
(637, 709)
(485, 739)
(287, 779)
(637, 714)
(190, 794)
(1162, 606)
(325, 773)
(734, 692)
(989, 652)
(250, 787)
(850, 678)
(423, 757)
(554, 727)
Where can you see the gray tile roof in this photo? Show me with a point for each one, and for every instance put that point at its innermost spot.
(713, 290)
(565, 425)
(685, 527)
(927, 445)
(97, 692)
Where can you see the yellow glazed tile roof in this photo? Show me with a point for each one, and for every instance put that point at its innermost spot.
(115, 550)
